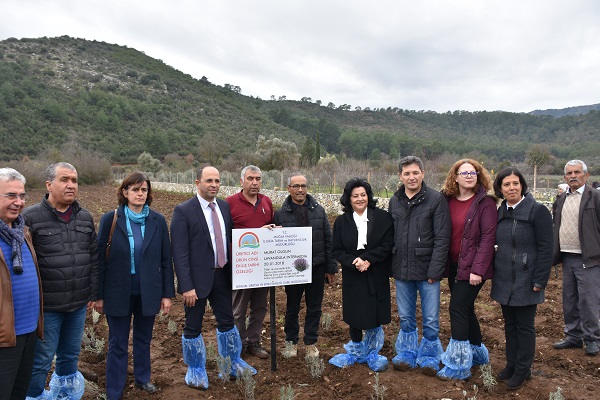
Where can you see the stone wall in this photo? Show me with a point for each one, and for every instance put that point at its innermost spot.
(331, 202)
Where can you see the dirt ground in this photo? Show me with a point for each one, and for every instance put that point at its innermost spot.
(573, 371)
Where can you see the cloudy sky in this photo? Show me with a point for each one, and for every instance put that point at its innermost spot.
(440, 55)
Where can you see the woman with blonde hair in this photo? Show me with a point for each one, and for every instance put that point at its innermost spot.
(470, 262)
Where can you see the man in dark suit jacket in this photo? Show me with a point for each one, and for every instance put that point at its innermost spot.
(202, 259)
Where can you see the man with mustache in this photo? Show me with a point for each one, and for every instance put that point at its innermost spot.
(250, 209)
(577, 247)
(64, 238)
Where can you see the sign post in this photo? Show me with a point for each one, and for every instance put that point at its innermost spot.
(268, 258)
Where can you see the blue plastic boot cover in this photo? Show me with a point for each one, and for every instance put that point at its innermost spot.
(429, 354)
(354, 350)
(67, 387)
(373, 340)
(406, 346)
(46, 395)
(194, 355)
(230, 345)
(457, 360)
(481, 355)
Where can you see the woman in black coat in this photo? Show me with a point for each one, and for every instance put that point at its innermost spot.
(136, 279)
(362, 243)
(521, 270)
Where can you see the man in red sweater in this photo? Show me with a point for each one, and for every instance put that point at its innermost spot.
(250, 209)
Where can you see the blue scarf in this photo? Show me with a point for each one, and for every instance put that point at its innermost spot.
(14, 236)
(138, 219)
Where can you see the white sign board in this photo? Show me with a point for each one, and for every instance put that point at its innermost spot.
(264, 257)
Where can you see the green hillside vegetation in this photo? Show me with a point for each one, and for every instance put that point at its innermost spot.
(118, 103)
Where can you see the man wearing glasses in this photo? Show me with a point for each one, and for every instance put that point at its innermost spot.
(301, 209)
(20, 290)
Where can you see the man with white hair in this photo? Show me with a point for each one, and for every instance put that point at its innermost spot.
(20, 290)
(577, 247)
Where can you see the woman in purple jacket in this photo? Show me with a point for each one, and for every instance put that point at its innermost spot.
(470, 262)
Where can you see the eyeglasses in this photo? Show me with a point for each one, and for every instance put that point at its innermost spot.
(466, 174)
(14, 196)
(296, 187)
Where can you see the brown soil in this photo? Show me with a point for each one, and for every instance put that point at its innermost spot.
(571, 370)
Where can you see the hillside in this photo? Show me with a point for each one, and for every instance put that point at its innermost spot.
(119, 102)
(557, 113)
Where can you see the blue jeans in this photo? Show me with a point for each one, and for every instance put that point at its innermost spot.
(406, 299)
(62, 336)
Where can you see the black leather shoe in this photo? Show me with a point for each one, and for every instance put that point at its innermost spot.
(591, 348)
(517, 380)
(146, 387)
(257, 350)
(568, 344)
(505, 374)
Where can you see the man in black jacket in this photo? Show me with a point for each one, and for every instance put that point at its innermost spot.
(577, 247)
(64, 238)
(301, 209)
(422, 232)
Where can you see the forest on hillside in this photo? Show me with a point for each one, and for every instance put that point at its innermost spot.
(68, 96)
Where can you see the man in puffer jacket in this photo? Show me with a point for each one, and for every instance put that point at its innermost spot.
(64, 239)
(422, 230)
(301, 209)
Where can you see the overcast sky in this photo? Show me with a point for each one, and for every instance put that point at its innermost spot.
(440, 55)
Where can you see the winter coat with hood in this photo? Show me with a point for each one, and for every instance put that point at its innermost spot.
(321, 231)
(479, 236)
(524, 254)
(67, 255)
(422, 230)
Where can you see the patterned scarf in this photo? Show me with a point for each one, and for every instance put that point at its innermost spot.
(15, 237)
(138, 219)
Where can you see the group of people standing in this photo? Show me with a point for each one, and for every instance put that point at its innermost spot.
(53, 268)
(462, 234)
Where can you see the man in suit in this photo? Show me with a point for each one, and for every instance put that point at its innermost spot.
(200, 244)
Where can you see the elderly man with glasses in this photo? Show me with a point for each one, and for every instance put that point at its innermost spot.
(20, 290)
(301, 209)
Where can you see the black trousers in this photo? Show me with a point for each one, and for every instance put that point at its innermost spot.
(464, 324)
(221, 303)
(356, 334)
(519, 330)
(16, 364)
(313, 296)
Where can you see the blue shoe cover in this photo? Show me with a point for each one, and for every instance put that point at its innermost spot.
(481, 355)
(194, 355)
(457, 360)
(67, 387)
(429, 354)
(230, 345)
(44, 396)
(354, 350)
(373, 341)
(406, 346)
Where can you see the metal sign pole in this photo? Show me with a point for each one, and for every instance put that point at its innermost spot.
(273, 329)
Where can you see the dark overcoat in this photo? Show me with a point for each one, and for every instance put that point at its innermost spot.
(365, 295)
(156, 270)
(524, 254)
